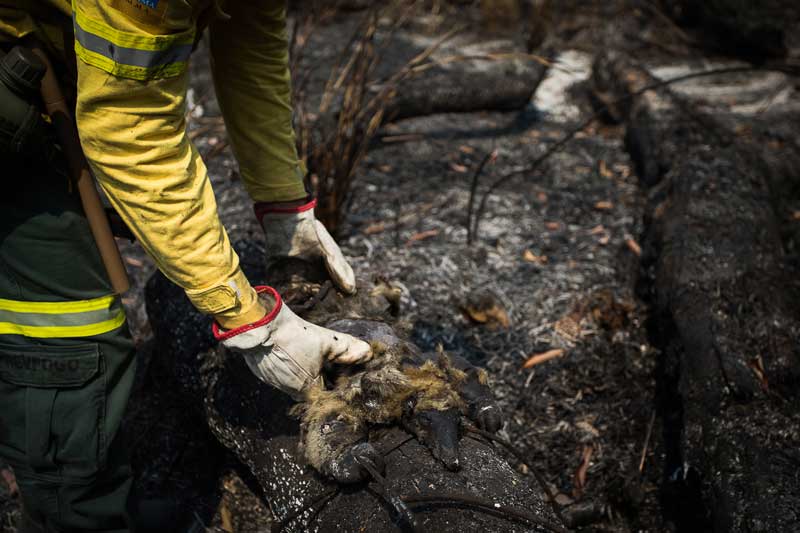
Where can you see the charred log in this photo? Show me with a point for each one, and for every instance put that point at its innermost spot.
(497, 85)
(724, 313)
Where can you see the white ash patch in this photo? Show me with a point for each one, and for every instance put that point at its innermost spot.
(746, 93)
(552, 96)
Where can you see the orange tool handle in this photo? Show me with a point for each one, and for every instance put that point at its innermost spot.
(64, 124)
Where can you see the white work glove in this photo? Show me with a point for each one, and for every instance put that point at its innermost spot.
(295, 232)
(287, 352)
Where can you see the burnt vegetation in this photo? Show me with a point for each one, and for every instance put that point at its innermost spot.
(576, 228)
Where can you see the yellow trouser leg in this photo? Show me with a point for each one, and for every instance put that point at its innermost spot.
(250, 62)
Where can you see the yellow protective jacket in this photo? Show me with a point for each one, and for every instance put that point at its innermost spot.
(131, 106)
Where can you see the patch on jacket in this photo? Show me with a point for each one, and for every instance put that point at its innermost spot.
(149, 12)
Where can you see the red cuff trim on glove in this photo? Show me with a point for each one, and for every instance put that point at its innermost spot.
(269, 317)
(263, 208)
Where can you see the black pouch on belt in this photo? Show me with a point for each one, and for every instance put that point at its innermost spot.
(24, 135)
(23, 131)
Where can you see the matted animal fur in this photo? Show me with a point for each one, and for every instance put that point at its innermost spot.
(391, 385)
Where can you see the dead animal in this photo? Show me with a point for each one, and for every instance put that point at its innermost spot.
(427, 394)
(250, 421)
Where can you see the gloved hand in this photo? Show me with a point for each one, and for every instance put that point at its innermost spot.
(287, 352)
(295, 232)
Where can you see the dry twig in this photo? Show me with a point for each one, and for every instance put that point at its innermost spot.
(646, 444)
(490, 157)
(333, 148)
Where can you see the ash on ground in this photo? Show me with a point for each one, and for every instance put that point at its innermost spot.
(550, 278)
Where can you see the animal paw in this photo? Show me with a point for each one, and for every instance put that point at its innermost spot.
(348, 468)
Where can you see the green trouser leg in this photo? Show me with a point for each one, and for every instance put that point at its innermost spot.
(66, 359)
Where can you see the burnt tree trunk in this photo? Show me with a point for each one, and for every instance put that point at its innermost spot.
(724, 311)
(499, 85)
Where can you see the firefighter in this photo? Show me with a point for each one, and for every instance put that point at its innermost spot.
(66, 356)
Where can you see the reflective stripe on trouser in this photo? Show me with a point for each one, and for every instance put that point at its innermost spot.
(44, 320)
(66, 358)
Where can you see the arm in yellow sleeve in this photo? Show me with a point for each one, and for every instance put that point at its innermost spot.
(250, 63)
(130, 116)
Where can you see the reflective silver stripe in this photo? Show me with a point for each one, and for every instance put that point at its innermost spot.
(130, 56)
(84, 318)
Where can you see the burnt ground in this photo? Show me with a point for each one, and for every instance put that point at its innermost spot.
(557, 253)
